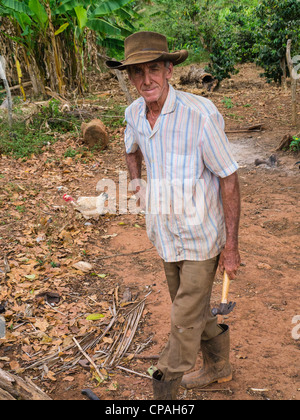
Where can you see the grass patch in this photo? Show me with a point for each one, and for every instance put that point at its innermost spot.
(30, 135)
(227, 102)
(21, 142)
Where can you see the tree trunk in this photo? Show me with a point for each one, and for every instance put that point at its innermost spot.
(200, 78)
(283, 68)
(38, 85)
(79, 67)
(123, 86)
(55, 57)
(285, 142)
(121, 80)
(13, 387)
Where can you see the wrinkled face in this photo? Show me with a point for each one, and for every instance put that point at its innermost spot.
(151, 80)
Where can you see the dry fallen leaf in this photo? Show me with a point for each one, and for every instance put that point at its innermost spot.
(83, 266)
(14, 365)
(51, 376)
(264, 266)
(66, 237)
(113, 386)
(41, 325)
(69, 378)
(107, 340)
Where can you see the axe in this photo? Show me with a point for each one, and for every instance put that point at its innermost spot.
(224, 308)
(88, 393)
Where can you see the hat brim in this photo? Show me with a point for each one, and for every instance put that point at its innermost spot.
(176, 58)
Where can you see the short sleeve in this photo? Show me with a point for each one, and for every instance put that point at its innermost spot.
(131, 137)
(216, 150)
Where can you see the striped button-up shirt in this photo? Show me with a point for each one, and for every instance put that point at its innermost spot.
(185, 153)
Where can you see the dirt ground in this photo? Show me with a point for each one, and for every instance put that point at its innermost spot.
(265, 348)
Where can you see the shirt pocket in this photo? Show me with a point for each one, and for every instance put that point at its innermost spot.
(180, 167)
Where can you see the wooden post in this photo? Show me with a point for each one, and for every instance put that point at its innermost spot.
(121, 80)
(283, 68)
(293, 82)
(123, 86)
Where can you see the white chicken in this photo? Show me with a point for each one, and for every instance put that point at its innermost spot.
(91, 207)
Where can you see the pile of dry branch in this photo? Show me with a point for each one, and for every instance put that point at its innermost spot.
(102, 352)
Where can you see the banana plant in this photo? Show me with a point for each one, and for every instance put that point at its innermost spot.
(29, 23)
(99, 16)
(53, 32)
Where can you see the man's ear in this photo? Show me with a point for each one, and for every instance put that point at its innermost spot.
(170, 71)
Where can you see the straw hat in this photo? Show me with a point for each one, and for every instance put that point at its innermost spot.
(144, 47)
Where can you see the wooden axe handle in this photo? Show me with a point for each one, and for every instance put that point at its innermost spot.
(226, 283)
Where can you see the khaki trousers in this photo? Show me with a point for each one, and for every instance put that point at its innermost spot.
(190, 285)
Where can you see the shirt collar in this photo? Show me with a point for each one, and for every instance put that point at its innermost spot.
(169, 105)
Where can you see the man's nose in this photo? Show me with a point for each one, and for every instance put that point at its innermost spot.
(147, 78)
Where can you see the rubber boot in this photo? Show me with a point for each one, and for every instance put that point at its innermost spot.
(165, 390)
(216, 366)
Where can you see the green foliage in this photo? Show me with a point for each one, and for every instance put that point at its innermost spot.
(22, 142)
(233, 41)
(54, 32)
(70, 153)
(216, 31)
(114, 116)
(178, 21)
(241, 23)
(295, 144)
(279, 20)
(223, 57)
(227, 102)
(231, 32)
(223, 32)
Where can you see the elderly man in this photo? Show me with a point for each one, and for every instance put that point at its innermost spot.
(193, 207)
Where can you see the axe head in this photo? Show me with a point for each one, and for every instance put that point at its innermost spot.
(223, 309)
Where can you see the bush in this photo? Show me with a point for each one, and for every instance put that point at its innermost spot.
(223, 57)
(279, 20)
(242, 23)
(295, 144)
(178, 21)
(233, 42)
